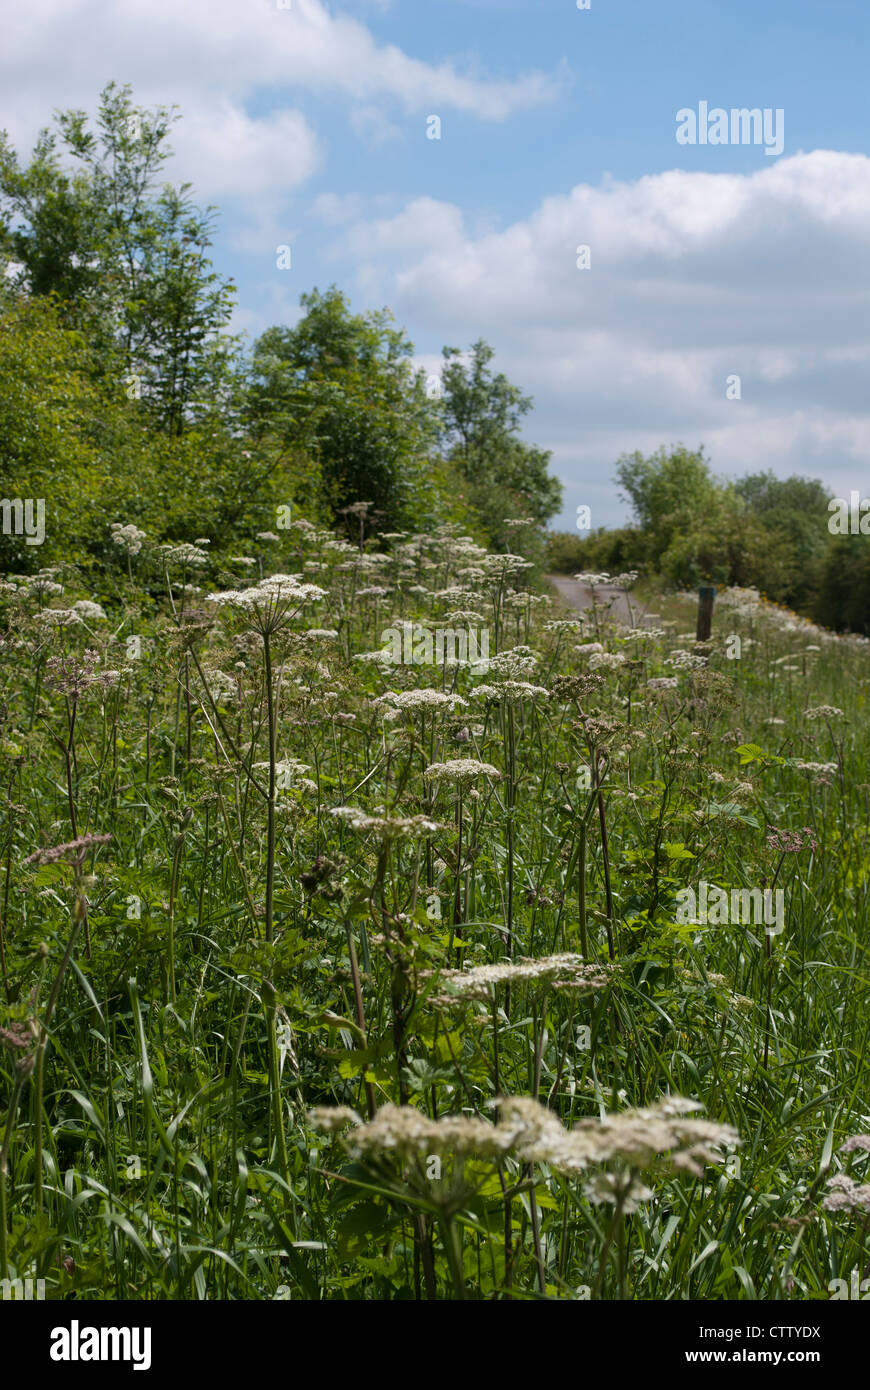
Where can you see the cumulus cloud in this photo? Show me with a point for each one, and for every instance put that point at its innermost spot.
(53, 56)
(694, 277)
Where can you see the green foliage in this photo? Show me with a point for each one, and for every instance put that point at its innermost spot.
(72, 438)
(612, 551)
(761, 532)
(505, 477)
(843, 597)
(128, 264)
(793, 513)
(180, 995)
(341, 387)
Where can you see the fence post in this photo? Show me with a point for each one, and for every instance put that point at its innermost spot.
(706, 595)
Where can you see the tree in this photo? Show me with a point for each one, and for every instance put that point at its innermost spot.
(668, 491)
(482, 417)
(341, 386)
(794, 514)
(72, 438)
(127, 264)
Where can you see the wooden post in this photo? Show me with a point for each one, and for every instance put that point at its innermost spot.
(706, 595)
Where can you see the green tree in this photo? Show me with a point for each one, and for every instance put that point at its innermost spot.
(127, 262)
(341, 386)
(669, 492)
(794, 514)
(71, 437)
(482, 419)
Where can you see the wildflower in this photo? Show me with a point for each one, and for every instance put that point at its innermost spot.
(271, 603)
(823, 712)
(419, 699)
(330, 1118)
(685, 661)
(518, 662)
(857, 1143)
(562, 969)
(387, 827)
(20, 1040)
(461, 770)
(662, 683)
(89, 610)
(609, 660)
(846, 1195)
(792, 841)
(72, 675)
(511, 691)
(129, 537)
(58, 617)
(658, 1136)
(618, 1189)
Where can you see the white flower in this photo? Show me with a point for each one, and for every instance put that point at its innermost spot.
(419, 699)
(129, 537)
(609, 660)
(461, 770)
(511, 691)
(387, 827)
(58, 617)
(567, 968)
(87, 609)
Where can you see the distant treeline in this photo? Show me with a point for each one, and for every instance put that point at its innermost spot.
(760, 532)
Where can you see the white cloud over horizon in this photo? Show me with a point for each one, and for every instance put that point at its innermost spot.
(693, 277)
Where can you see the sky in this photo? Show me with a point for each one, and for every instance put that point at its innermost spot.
(310, 123)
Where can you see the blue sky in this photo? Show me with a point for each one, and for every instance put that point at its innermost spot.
(307, 126)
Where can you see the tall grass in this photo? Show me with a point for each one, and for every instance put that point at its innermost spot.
(178, 999)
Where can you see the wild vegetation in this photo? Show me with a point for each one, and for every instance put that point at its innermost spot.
(327, 977)
(372, 927)
(781, 536)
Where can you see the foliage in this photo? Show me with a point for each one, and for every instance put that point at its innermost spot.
(128, 264)
(482, 414)
(341, 387)
(246, 865)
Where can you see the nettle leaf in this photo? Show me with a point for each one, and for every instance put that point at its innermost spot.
(675, 849)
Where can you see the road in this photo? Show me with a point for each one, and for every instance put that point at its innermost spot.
(580, 596)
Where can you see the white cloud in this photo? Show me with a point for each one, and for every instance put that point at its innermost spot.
(693, 277)
(228, 66)
(53, 54)
(373, 126)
